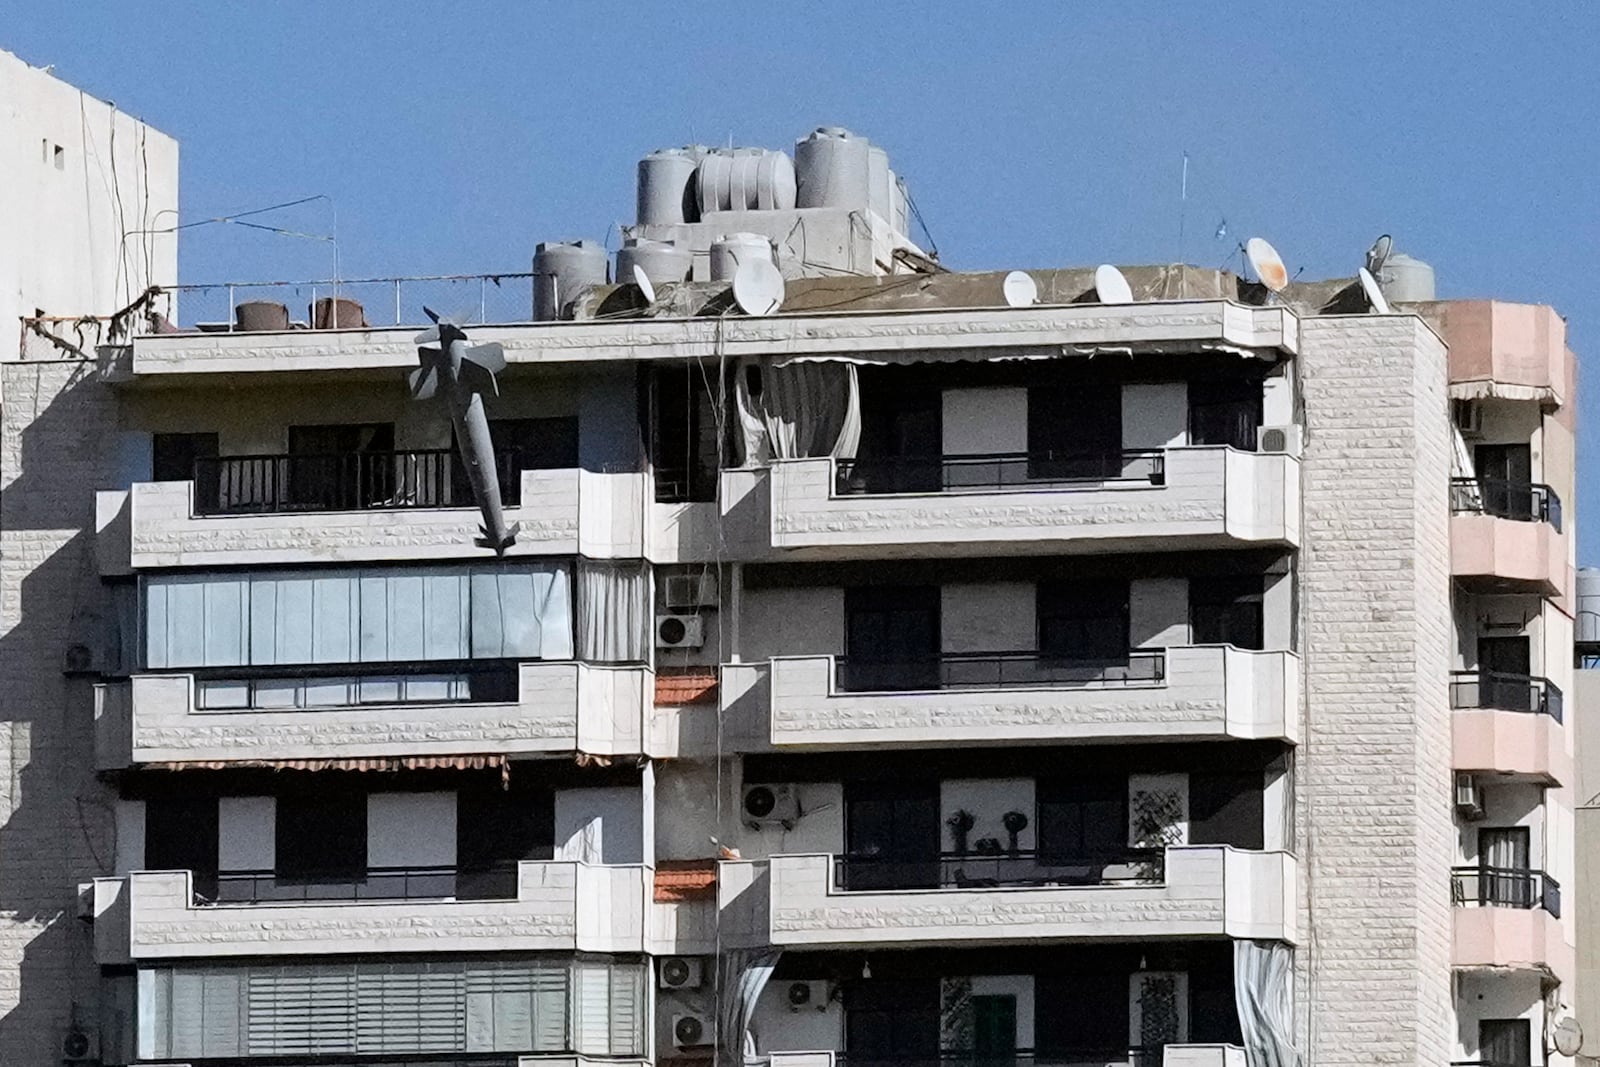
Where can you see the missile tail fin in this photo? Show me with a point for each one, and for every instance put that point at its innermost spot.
(484, 540)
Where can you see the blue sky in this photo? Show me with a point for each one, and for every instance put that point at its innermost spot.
(454, 137)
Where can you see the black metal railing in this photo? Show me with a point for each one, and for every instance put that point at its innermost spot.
(1008, 869)
(347, 481)
(1060, 1057)
(1524, 501)
(1505, 887)
(497, 882)
(1000, 670)
(280, 687)
(1001, 472)
(1498, 691)
(1489, 1063)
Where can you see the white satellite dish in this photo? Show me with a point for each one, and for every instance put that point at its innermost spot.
(758, 287)
(1369, 285)
(642, 280)
(1568, 1036)
(1378, 254)
(1020, 289)
(1267, 264)
(1111, 286)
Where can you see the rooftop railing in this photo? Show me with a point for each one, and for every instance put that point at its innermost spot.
(1000, 670)
(1012, 472)
(1497, 691)
(1505, 887)
(1522, 501)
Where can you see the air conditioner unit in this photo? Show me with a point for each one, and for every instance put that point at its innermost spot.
(690, 1031)
(771, 805)
(79, 660)
(1284, 439)
(1469, 797)
(680, 631)
(803, 995)
(1468, 416)
(681, 972)
(80, 1045)
(692, 590)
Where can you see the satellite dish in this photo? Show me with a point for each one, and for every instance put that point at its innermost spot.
(1020, 289)
(758, 287)
(642, 280)
(1110, 286)
(1369, 285)
(1267, 264)
(1378, 254)
(1568, 1036)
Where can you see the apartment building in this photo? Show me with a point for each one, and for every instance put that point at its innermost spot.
(915, 674)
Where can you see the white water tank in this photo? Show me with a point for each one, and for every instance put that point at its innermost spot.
(666, 193)
(663, 262)
(1586, 627)
(744, 179)
(1405, 280)
(834, 169)
(561, 270)
(731, 250)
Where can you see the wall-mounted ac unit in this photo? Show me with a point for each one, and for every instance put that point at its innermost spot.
(1468, 416)
(690, 1031)
(1469, 797)
(680, 631)
(79, 660)
(80, 1045)
(771, 805)
(1285, 439)
(691, 590)
(806, 996)
(681, 972)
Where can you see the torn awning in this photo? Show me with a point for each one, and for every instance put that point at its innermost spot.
(374, 763)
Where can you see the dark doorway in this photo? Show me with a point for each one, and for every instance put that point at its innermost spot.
(891, 835)
(994, 1029)
(1075, 431)
(180, 834)
(181, 457)
(1084, 622)
(1505, 664)
(1225, 411)
(1226, 611)
(902, 437)
(1505, 477)
(342, 467)
(1505, 1042)
(1504, 877)
(891, 638)
(891, 1022)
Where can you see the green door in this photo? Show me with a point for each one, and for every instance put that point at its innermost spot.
(994, 1028)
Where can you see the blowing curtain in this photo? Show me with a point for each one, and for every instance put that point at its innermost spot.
(804, 409)
(744, 974)
(1262, 973)
(613, 612)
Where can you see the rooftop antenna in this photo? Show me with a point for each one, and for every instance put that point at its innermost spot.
(1369, 285)
(758, 287)
(1378, 255)
(1019, 289)
(1111, 285)
(642, 280)
(1267, 264)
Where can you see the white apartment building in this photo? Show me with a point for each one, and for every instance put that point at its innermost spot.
(913, 675)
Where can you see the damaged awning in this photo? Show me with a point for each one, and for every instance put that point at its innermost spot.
(1487, 389)
(371, 763)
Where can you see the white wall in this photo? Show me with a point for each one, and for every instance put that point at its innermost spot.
(1510, 995)
(1507, 804)
(600, 825)
(988, 799)
(129, 816)
(411, 829)
(1155, 414)
(791, 622)
(1158, 612)
(247, 833)
(988, 617)
(982, 422)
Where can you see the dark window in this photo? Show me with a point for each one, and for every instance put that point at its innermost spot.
(891, 835)
(1225, 412)
(1226, 611)
(1505, 663)
(495, 828)
(173, 459)
(902, 437)
(1505, 1042)
(328, 471)
(1082, 1017)
(1503, 863)
(1226, 809)
(1075, 431)
(891, 638)
(321, 836)
(180, 834)
(1083, 621)
(891, 1021)
(683, 434)
(1505, 474)
(1085, 818)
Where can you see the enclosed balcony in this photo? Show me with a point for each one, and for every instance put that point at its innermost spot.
(1507, 536)
(1509, 724)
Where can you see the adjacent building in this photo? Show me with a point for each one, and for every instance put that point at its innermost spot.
(922, 672)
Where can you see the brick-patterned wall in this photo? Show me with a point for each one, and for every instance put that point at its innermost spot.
(1374, 768)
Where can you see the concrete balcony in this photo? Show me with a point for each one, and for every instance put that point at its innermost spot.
(561, 707)
(558, 907)
(1510, 725)
(1183, 693)
(1510, 351)
(560, 512)
(1165, 500)
(1508, 539)
(1170, 1056)
(1510, 920)
(1187, 891)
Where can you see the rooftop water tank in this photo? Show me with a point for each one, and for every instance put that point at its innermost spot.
(880, 183)
(663, 262)
(1405, 280)
(666, 187)
(833, 168)
(562, 269)
(1586, 627)
(731, 250)
(745, 179)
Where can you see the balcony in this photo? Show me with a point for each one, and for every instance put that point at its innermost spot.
(1172, 499)
(1511, 351)
(1509, 724)
(545, 907)
(1507, 537)
(247, 510)
(1164, 1056)
(1188, 692)
(233, 715)
(1183, 891)
(1509, 918)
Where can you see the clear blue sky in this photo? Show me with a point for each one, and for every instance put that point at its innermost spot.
(453, 137)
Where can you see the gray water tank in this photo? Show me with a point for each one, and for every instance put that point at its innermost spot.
(1586, 627)
(880, 183)
(562, 269)
(731, 250)
(833, 168)
(745, 179)
(666, 193)
(1405, 280)
(663, 262)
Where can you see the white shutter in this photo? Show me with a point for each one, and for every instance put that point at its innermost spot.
(627, 1009)
(299, 1009)
(592, 1026)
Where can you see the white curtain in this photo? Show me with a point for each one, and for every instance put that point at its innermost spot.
(613, 612)
(744, 974)
(1262, 975)
(805, 409)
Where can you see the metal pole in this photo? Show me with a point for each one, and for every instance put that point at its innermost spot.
(233, 315)
(483, 304)
(397, 301)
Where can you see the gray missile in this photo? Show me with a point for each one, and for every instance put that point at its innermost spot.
(449, 365)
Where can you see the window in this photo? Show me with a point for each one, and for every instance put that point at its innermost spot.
(892, 1020)
(180, 834)
(321, 836)
(1504, 878)
(683, 434)
(1075, 431)
(891, 835)
(1225, 412)
(891, 638)
(1505, 664)
(495, 828)
(902, 436)
(1505, 1042)
(1092, 1021)
(1083, 819)
(1083, 621)
(326, 470)
(1226, 611)
(1226, 808)
(179, 457)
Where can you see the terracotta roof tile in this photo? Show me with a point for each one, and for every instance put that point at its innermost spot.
(685, 880)
(693, 685)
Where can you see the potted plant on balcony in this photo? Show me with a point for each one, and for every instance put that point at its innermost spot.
(960, 822)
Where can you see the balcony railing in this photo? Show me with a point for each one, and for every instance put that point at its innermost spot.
(1011, 472)
(1062, 1057)
(1000, 670)
(1505, 887)
(375, 884)
(302, 686)
(349, 481)
(972, 870)
(1523, 501)
(1497, 691)
(480, 298)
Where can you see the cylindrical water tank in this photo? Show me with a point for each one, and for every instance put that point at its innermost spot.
(833, 168)
(1405, 280)
(732, 250)
(666, 187)
(561, 269)
(663, 262)
(744, 179)
(1586, 627)
(880, 182)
